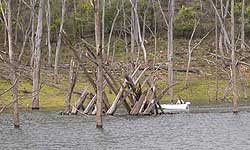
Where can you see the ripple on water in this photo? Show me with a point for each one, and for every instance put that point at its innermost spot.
(43, 130)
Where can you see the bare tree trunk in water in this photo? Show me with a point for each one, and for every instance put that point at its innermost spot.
(243, 47)
(58, 45)
(170, 49)
(234, 76)
(48, 19)
(37, 58)
(99, 67)
(13, 74)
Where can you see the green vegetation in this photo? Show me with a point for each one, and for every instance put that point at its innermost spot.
(79, 23)
(185, 21)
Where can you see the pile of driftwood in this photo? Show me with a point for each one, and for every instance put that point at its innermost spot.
(135, 89)
(137, 92)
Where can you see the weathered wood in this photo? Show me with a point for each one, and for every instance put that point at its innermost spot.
(90, 105)
(79, 104)
(119, 95)
(94, 111)
(114, 104)
(105, 101)
(155, 100)
(37, 58)
(111, 86)
(136, 91)
(149, 96)
(126, 105)
(59, 40)
(72, 82)
(135, 110)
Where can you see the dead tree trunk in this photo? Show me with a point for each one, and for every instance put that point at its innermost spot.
(234, 76)
(155, 31)
(216, 57)
(72, 82)
(32, 40)
(170, 49)
(242, 82)
(59, 40)
(99, 82)
(17, 19)
(103, 24)
(243, 25)
(13, 74)
(79, 103)
(190, 50)
(125, 33)
(138, 29)
(37, 58)
(90, 106)
(48, 19)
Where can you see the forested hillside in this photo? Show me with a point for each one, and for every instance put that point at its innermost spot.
(52, 51)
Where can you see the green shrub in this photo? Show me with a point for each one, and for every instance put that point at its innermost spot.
(237, 11)
(185, 21)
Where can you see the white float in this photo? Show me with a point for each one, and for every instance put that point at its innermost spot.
(178, 107)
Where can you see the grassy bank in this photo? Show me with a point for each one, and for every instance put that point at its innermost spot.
(200, 92)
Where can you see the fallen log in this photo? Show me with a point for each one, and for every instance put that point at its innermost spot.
(154, 101)
(90, 105)
(135, 110)
(184, 70)
(119, 95)
(79, 104)
(149, 96)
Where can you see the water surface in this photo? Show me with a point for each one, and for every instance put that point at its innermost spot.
(202, 128)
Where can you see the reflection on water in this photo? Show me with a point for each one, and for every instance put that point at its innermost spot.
(210, 129)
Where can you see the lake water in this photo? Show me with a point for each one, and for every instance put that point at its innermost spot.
(202, 128)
